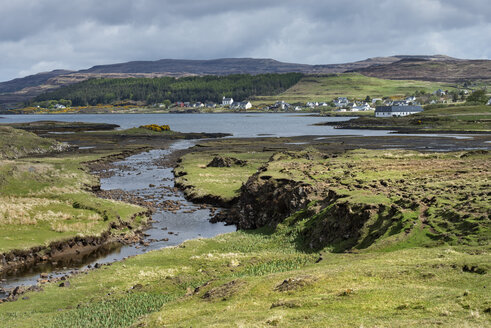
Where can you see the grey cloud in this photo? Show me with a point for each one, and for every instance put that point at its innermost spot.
(42, 35)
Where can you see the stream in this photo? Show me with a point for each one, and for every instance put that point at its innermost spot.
(140, 175)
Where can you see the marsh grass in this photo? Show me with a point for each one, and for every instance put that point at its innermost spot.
(224, 182)
(37, 197)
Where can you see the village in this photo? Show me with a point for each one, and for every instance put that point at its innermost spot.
(381, 107)
(390, 106)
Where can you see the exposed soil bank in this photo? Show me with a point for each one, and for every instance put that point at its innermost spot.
(351, 206)
(20, 260)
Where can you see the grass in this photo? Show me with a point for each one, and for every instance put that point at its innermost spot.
(224, 182)
(351, 85)
(408, 197)
(47, 199)
(464, 118)
(16, 143)
(238, 275)
(409, 266)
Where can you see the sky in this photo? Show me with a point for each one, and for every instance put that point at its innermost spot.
(42, 35)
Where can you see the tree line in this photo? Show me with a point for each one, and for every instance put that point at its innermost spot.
(157, 90)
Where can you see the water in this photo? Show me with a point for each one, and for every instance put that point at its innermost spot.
(239, 125)
(135, 174)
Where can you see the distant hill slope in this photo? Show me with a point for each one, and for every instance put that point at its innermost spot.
(441, 71)
(20, 90)
(30, 81)
(351, 85)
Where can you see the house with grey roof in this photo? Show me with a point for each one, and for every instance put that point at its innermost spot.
(241, 105)
(227, 101)
(390, 111)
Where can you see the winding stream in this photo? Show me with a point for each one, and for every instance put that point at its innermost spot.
(140, 175)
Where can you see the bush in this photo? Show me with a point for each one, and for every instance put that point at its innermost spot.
(478, 96)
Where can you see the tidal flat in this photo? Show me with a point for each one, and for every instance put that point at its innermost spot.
(335, 231)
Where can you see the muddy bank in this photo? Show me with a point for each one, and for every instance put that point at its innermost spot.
(78, 247)
(39, 127)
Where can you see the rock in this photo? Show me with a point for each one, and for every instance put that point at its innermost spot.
(219, 161)
(64, 284)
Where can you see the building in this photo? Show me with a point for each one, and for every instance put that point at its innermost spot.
(390, 111)
(241, 105)
(227, 101)
(361, 107)
(341, 102)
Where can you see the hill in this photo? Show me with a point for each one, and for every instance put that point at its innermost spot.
(197, 88)
(420, 69)
(30, 81)
(16, 143)
(19, 90)
(351, 85)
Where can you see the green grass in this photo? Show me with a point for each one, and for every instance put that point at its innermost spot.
(461, 118)
(224, 182)
(16, 143)
(428, 222)
(238, 276)
(351, 85)
(46, 200)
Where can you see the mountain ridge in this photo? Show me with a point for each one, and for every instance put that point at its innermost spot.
(21, 89)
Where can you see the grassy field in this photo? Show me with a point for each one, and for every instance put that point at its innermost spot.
(223, 182)
(452, 118)
(17, 143)
(259, 279)
(418, 256)
(48, 199)
(351, 85)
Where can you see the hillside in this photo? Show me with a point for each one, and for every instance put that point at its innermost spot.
(443, 71)
(30, 81)
(351, 85)
(16, 143)
(205, 88)
(19, 90)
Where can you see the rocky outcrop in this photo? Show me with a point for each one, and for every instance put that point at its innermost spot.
(265, 201)
(219, 161)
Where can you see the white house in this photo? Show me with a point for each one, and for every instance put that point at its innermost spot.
(227, 101)
(312, 104)
(390, 111)
(362, 107)
(439, 93)
(241, 105)
(341, 102)
(60, 106)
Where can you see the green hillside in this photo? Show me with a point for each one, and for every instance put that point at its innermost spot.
(154, 90)
(351, 85)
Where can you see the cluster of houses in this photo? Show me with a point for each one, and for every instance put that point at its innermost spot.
(226, 102)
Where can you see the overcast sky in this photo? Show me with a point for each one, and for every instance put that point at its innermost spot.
(42, 35)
